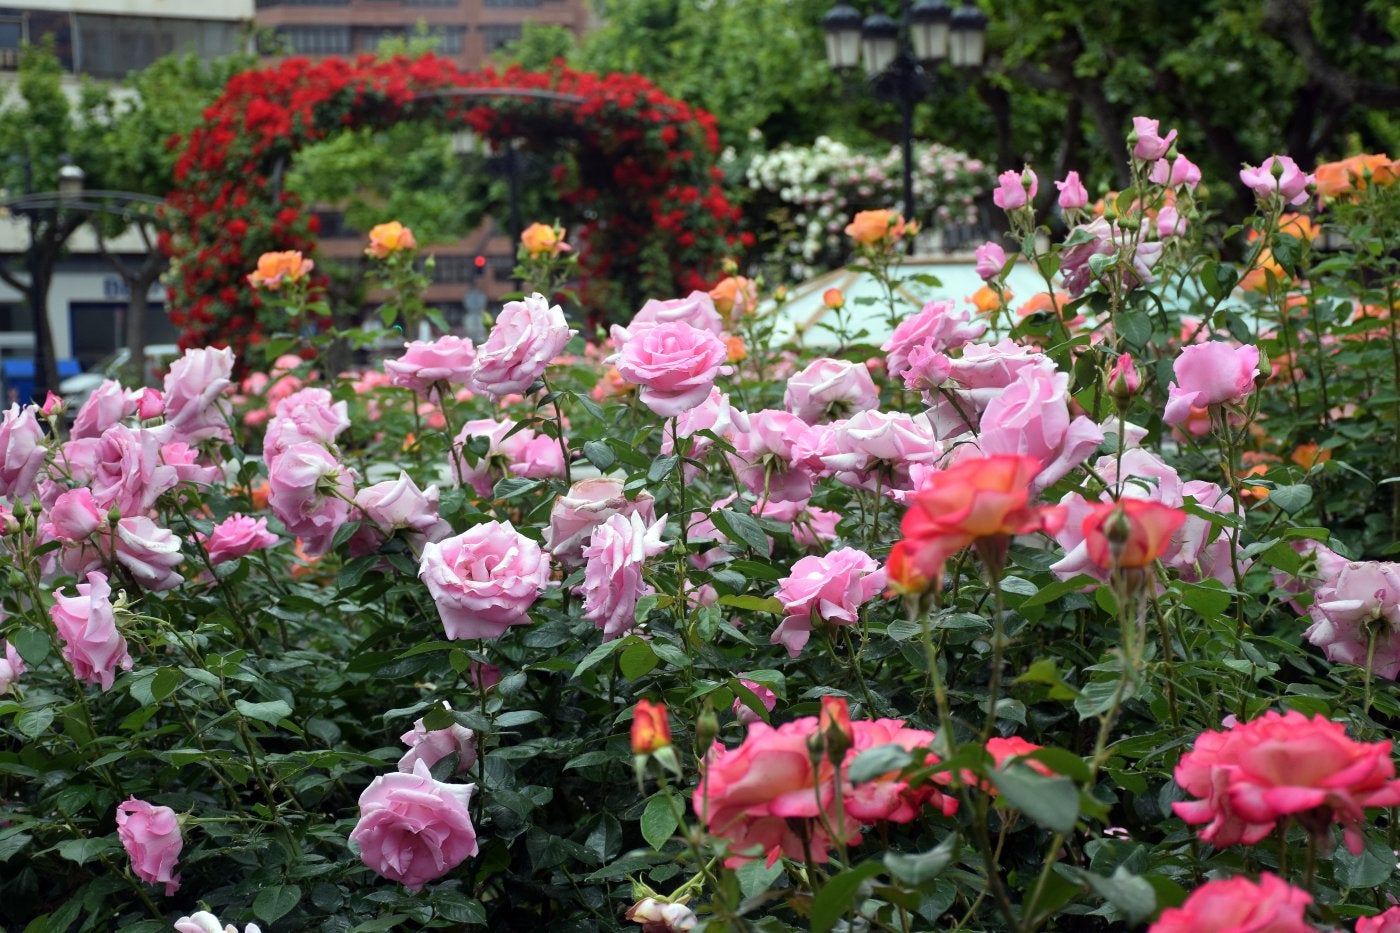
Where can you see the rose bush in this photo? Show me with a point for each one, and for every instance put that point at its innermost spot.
(1091, 625)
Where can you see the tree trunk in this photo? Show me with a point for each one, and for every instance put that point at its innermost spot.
(136, 306)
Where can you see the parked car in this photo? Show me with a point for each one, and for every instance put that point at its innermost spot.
(76, 389)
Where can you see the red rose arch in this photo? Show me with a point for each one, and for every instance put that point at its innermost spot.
(650, 217)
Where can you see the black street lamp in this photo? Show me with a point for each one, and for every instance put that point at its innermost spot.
(900, 57)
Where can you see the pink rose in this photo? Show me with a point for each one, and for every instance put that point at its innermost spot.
(887, 798)
(399, 504)
(675, 364)
(426, 363)
(1363, 598)
(696, 309)
(22, 451)
(73, 516)
(927, 369)
(830, 589)
(1278, 175)
(588, 504)
(1210, 374)
(108, 404)
(1099, 237)
(991, 259)
(413, 829)
(765, 456)
(1388, 922)
(1174, 173)
(149, 552)
(766, 697)
(305, 415)
(237, 536)
(150, 404)
(1150, 146)
(88, 627)
(11, 666)
(195, 409)
(939, 326)
(1170, 223)
(528, 334)
(535, 456)
(612, 582)
(661, 916)
(298, 480)
(484, 580)
(875, 449)
(1256, 773)
(1015, 190)
(433, 745)
(1031, 418)
(1073, 197)
(151, 836)
(123, 468)
(827, 389)
(1238, 905)
(978, 376)
(713, 414)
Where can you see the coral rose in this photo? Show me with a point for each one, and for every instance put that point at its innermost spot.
(881, 228)
(1280, 765)
(275, 269)
(543, 240)
(1130, 533)
(1388, 922)
(151, 836)
(413, 829)
(484, 580)
(651, 730)
(1238, 905)
(389, 238)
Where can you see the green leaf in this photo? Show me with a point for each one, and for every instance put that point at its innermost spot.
(741, 527)
(601, 652)
(874, 762)
(1291, 499)
(1374, 866)
(1131, 894)
(273, 711)
(380, 924)
(1206, 598)
(837, 895)
(32, 644)
(637, 661)
(83, 851)
(599, 454)
(33, 723)
(756, 603)
(1051, 802)
(658, 821)
(918, 870)
(275, 902)
(165, 682)
(662, 467)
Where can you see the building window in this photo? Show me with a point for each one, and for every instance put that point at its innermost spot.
(263, 4)
(449, 38)
(512, 3)
(432, 2)
(369, 40)
(498, 36)
(317, 40)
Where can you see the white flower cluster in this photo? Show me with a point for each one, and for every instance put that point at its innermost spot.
(823, 185)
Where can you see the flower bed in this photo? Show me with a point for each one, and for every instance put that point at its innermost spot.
(1087, 628)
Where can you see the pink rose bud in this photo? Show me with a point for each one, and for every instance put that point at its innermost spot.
(432, 746)
(414, 829)
(1278, 175)
(11, 666)
(150, 404)
(1014, 189)
(73, 516)
(1170, 223)
(1149, 146)
(237, 536)
(991, 258)
(765, 696)
(1073, 197)
(1174, 173)
(53, 405)
(484, 580)
(151, 836)
(1123, 378)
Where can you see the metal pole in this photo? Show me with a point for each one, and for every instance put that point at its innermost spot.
(907, 90)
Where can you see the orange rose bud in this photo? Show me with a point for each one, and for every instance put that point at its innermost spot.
(986, 300)
(833, 298)
(903, 577)
(835, 727)
(651, 730)
(543, 240)
(734, 295)
(387, 239)
(737, 351)
(276, 268)
(1129, 533)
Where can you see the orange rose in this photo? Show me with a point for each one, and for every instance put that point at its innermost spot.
(833, 298)
(390, 238)
(276, 268)
(1129, 533)
(543, 240)
(986, 300)
(878, 228)
(651, 730)
(904, 578)
(1300, 226)
(981, 499)
(1251, 493)
(1309, 454)
(737, 351)
(1335, 179)
(734, 293)
(1257, 278)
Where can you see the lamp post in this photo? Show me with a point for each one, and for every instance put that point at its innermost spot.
(900, 57)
